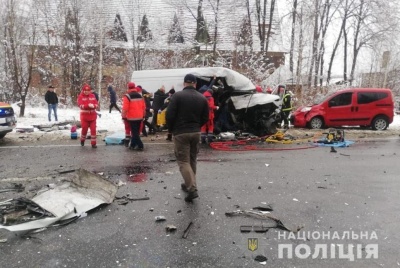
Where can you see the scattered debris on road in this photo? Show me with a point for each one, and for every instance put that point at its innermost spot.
(69, 200)
(186, 232)
(266, 208)
(261, 259)
(170, 228)
(263, 216)
(160, 218)
(17, 187)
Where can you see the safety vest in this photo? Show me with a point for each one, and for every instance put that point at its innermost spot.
(287, 103)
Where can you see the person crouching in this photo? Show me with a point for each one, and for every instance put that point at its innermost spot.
(88, 104)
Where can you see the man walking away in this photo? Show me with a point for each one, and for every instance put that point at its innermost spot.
(133, 109)
(113, 98)
(52, 101)
(187, 112)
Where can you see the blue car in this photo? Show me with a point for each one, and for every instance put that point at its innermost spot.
(7, 119)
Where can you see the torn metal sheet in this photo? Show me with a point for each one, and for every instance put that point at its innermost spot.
(264, 208)
(250, 100)
(85, 191)
(260, 215)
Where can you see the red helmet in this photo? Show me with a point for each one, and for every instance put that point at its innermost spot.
(131, 85)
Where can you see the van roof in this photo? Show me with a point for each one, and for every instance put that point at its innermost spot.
(151, 80)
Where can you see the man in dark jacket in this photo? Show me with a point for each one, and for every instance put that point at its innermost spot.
(148, 97)
(158, 102)
(187, 112)
(52, 102)
(113, 98)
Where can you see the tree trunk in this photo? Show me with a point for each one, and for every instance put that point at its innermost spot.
(216, 32)
(261, 17)
(357, 45)
(249, 18)
(314, 43)
(300, 54)
(292, 36)
(271, 15)
(335, 47)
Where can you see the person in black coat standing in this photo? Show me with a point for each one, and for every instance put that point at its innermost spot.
(113, 98)
(148, 97)
(187, 112)
(52, 102)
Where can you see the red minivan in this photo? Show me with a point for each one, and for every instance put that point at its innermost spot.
(365, 107)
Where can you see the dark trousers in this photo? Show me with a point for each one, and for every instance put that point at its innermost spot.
(285, 117)
(149, 125)
(186, 150)
(114, 105)
(135, 134)
(154, 121)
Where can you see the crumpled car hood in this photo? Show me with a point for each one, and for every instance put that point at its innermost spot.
(250, 100)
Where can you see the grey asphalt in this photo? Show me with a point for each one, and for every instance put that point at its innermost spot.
(355, 190)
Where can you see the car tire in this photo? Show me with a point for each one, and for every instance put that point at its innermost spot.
(316, 123)
(380, 123)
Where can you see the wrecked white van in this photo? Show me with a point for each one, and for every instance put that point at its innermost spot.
(241, 107)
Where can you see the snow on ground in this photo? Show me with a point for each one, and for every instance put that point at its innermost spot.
(110, 123)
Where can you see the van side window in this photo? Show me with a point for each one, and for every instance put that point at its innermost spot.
(367, 97)
(341, 99)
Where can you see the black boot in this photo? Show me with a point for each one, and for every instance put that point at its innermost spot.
(169, 137)
(126, 142)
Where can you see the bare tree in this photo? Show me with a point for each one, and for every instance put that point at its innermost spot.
(271, 16)
(216, 13)
(373, 20)
(261, 14)
(21, 46)
(292, 35)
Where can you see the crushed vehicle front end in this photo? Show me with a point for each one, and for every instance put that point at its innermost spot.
(303, 115)
(7, 119)
(241, 108)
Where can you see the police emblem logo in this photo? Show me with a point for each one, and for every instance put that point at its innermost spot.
(252, 244)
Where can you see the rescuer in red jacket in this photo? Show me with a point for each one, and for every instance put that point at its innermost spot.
(134, 109)
(127, 125)
(207, 130)
(88, 103)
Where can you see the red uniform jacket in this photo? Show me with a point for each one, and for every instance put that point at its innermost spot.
(211, 104)
(88, 113)
(133, 106)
